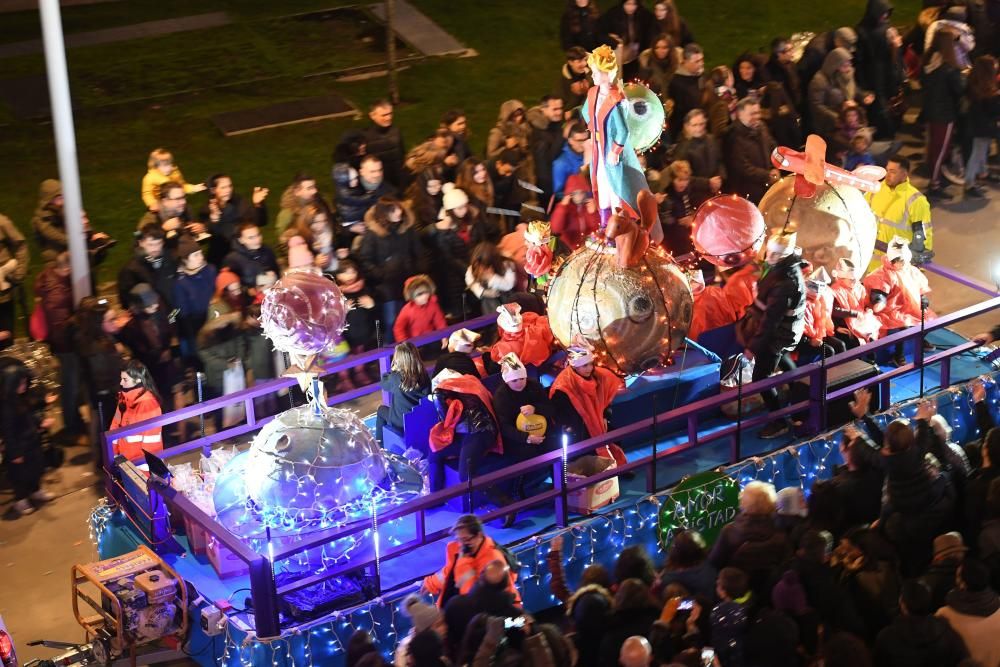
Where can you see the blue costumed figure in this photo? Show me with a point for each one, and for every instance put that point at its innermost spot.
(627, 207)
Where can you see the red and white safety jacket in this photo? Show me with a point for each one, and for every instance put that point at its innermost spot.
(136, 405)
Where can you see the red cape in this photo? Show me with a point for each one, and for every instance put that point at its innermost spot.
(466, 384)
(591, 397)
(532, 345)
(903, 288)
(711, 310)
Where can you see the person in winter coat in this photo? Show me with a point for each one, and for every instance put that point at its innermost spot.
(630, 26)
(422, 314)
(54, 295)
(457, 124)
(193, 290)
(687, 86)
(570, 160)
(983, 98)
(580, 26)
(701, 151)
(472, 224)
(747, 150)
(162, 170)
(658, 63)
(818, 333)
(513, 132)
(384, 140)
(138, 401)
(389, 254)
(448, 241)
(939, 579)
(406, 382)
(581, 394)
(748, 78)
(821, 44)
(22, 435)
(489, 275)
(874, 59)
(832, 86)
(574, 79)
(467, 427)
(148, 334)
(525, 415)
(95, 324)
(425, 197)
(466, 558)
(547, 139)
(917, 638)
(225, 211)
(853, 318)
(670, 22)
(780, 68)
(687, 564)
(753, 542)
(575, 217)
(773, 325)
(298, 195)
(14, 258)
(633, 613)
(172, 215)
(943, 84)
(857, 485)
(719, 99)
(50, 227)
(360, 331)
(249, 256)
(973, 611)
(358, 190)
(150, 264)
(681, 196)
(221, 341)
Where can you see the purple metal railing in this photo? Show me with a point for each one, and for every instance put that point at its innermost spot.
(262, 582)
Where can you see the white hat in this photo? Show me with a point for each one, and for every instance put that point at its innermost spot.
(462, 340)
(299, 255)
(899, 248)
(453, 197)
(780, 245)
(509, 318)
(580, 352)
(445, 374)
(818, 279)
(845, 269)
(511, 368)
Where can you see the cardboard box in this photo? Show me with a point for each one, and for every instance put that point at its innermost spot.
(595, 496)
(197, 537)
(225, 562)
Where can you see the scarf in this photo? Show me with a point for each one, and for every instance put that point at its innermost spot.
(354, 287)
(590, 398)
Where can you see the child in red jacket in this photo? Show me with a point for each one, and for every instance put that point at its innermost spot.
(422, 313)
(576, 216)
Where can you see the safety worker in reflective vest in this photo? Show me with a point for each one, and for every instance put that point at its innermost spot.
(466, 559)
(901, 210)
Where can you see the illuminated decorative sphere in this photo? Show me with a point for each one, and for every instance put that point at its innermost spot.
(633, 317)
(310, 470)
(728, 230)
(837, 222)
(303, 313)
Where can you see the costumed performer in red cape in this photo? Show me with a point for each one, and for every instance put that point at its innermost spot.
(525, 334)
(853, 318)
(712, 309)
(581, 393)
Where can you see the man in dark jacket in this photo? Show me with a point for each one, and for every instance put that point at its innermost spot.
(50, 227)
(574, 81)
(874, 63)
(687, 86)
(172, 216)
(753, 542)
(916, 638)
(225, 211)
(701, 150)
(249, 256)
(775, 321)
(748, 145)
(151, 264)
(819, 46)
(385, 142)
(148, 334)
(358, 190)
(546, 140)
(781, 69)
(949, 551)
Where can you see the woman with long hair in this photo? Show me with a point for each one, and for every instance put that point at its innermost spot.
(489, 275)
(670, 21)
(406, 382)
(983, 97)
(748, 79)
(22, 435)
(474, 180)
(943, 85)
(138, 401)
(658, 63)
(457, 123)
(96, 324)
(719, 99)
(425, 196)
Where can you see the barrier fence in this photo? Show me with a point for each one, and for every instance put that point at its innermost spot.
(265, 593)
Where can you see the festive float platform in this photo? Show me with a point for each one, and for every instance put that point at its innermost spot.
(597, 537)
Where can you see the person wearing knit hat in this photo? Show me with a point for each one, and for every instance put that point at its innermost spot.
(525, 334)
(423, 617)
(949, 551)
(299, 254)
(193, 290)
(422, 313)
(853, 319)
(773, 325)
(525, 414)
(581, 393)
(898, 292)
(818, 337)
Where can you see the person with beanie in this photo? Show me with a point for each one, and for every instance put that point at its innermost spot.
(525, 414)
(474, 226)
(973, 610)
(898, 293)
(526, 335)
(193, 290)
(575, 217)
(448, 242)
(939, 579)
(249, 256)
(461, 345)
(581, 394)
(299, 254)
(422, 314)
(423, 617)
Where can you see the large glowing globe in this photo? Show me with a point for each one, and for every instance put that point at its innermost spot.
(634, 317)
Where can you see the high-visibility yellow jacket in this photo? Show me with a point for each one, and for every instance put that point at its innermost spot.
(896, 210)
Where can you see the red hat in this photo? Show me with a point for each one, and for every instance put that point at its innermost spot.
(224, 280)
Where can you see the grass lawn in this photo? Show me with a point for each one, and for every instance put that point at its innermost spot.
(519, 57)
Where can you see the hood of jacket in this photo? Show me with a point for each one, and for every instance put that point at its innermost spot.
(537, 118)
(508, 108)
(47, 191)
(874, 12)
(375, 227)
(833, 61)
(576, 182)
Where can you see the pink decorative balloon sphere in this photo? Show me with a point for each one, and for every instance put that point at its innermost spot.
(303, 313)
(728, 230)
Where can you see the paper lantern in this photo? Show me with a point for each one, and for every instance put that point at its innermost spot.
(303, 314)
(728, 230)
